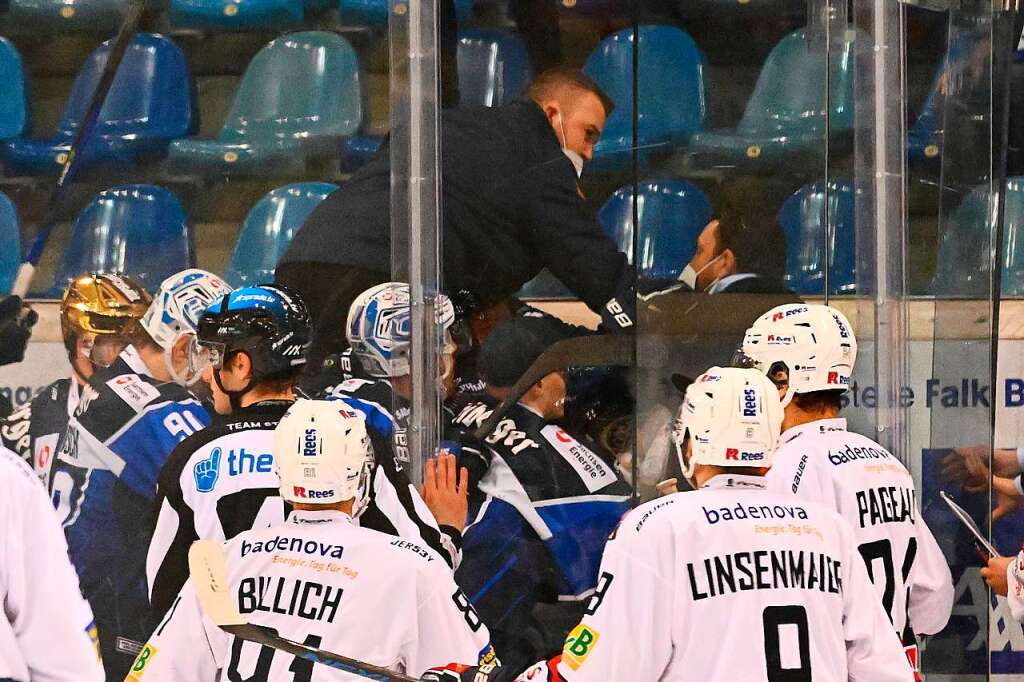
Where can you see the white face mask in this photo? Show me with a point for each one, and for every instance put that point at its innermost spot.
(574, 157)
(689, 276)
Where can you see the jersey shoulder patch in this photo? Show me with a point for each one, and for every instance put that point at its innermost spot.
(133, 390)
(591, 469)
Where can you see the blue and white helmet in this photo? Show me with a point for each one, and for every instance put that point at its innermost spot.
(175, 311)
(379, 328)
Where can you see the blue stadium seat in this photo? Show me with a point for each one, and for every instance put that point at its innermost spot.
(787, 112)
(13, 103)
(802, 217)
(269, 228)
(494, 67)
(299, 91)
(137, 229)
(672, 214)
(10, 236)
(231, 14)
(672, 93)
(61, 15)
(963, 268)
(374, 13)
(150, 103)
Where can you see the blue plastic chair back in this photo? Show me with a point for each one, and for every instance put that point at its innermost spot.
(672, 89)
(150, 98)
(140, 230)
(269, 228)
(963, 268)
(790, 91)
(228, 14)
(300, 85)
(494, 67)
(10, 236)
(803, 218)
(13, 103)
(672, 214)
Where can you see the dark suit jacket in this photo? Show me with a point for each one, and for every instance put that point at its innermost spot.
(511, 205)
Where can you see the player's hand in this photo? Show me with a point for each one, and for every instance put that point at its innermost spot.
(446, 490)
(995, 573)
(206, 471)
(16, 321)
(456, 672)
(1004, 504)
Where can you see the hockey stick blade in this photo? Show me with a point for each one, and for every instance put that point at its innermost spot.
(209, 579)
(130, 24)
(578, 351)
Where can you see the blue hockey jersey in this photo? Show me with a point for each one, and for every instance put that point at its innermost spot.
(103, 485)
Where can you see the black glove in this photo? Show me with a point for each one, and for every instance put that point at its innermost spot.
(16, 322)
(456, 672)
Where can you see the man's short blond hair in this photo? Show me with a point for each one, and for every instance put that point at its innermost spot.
(553, 83)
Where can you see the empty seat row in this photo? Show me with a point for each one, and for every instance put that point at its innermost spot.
(143, 230)
(796, 102)
(298, 90)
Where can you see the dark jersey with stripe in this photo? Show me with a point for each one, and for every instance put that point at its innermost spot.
(32, 430)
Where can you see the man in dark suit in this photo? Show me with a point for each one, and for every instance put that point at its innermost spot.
(511, 204)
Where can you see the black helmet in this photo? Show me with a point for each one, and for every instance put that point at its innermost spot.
(267, 322)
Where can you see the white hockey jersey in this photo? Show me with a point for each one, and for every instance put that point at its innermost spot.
(870, 488)
(1015, 587)
(321, 580)
(46, 628)
(731, 582)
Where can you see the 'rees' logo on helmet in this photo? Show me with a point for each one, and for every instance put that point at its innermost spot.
(780, 339)
(834, 378)
(309, 443)
(782, 314)
(732, 453)
(749, 402)
(306, 494)
(705, 378)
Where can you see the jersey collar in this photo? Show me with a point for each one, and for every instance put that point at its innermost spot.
(134, 361)
(817, 426)
(735, 481)
(302, 517)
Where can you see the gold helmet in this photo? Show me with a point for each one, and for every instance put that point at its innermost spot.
(100, 304)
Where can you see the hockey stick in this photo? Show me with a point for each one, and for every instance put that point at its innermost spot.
(209, 578)
(579, 351)
(129, 26)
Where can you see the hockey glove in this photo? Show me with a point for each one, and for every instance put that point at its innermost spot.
(16, 322)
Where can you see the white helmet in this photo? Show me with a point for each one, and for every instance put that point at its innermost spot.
(813, 344)
(379, 328)
(179, 303)
(323, 455)
(732, 417)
